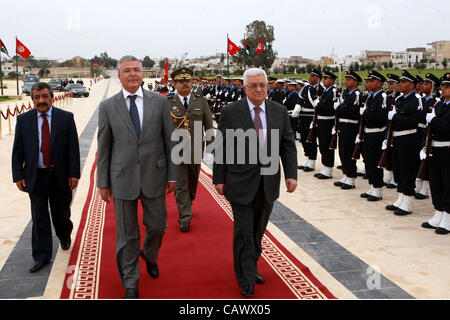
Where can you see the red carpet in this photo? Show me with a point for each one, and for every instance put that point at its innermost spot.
(195, 265)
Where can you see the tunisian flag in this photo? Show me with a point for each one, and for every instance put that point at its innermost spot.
(232, 48)
(260, 48)
(22, 50)
(166, 72)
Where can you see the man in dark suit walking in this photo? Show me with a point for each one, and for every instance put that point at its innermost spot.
(46, 164)
(253, 185)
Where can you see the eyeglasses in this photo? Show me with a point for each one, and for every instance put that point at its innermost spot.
(253, 86)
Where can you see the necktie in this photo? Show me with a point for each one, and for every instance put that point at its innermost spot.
(258, 125)
(185, 103)
(134, 114)
(45, 142)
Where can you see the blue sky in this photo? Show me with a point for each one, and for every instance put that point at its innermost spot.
(63, 29)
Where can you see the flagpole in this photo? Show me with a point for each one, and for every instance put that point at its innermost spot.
(228, 59)
(245, 56)
(17, 70)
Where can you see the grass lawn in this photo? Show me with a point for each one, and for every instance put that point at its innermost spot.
(6, 98)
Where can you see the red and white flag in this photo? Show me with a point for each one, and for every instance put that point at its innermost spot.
(166, 72)
(260, 48)
(232, 48)
(22, 50)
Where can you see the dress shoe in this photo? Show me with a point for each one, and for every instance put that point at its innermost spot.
(374, 199)
(420, 196)
(427, 225)
(338, 184)
(248, 290)
(152, 268)
(323, 177)
(365, 195)
(131, 293)
(400, 212)
(301, 167)
(38, 266)
(259, 279)
(442, 231)
(391, 207)
(184, 227)
(339, 167)
(345, 186)
(65, 244)
(390, 186)
(308, 169)
(317, 175)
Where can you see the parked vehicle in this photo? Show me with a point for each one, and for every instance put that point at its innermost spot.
(77, 89)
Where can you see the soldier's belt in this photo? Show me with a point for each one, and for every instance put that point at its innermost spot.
(440, 144)
(348, 121)
(308, 110)
(374, 130)
(326, 118)
(422, 125)
(403, 133)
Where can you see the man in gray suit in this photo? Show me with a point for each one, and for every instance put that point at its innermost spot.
(248, 185)
(134, 162)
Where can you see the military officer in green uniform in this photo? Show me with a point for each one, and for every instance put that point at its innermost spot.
(187, 109)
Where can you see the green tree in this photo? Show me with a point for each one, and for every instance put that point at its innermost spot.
(162, 63)
(254, 32)
(444, 63)
(43, 73)
(147, 62)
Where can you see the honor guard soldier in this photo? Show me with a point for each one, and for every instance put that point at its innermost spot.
(419, 85)
(393, 93)
(308, 95)
(439, 161)
(405, 116)
(271, 87)
(375, 113)
(292, 100)
(188, 110)
(347, 111)
(429, 86)
(278, 95)
(325, 123)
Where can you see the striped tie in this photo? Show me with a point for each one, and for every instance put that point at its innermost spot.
(134, 114)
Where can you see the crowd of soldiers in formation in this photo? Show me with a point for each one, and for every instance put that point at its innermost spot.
(402, 133)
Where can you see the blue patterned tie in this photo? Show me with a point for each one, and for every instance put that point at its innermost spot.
(134, 114)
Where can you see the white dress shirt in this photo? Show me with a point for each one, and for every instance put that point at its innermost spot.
(262, 115)
(139, 102)
(182, 99)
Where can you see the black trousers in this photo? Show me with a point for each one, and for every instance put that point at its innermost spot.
(250, 223)
(372, 154)
(310, 149)
(439, 173)
(48, 192)
(405, 160)
(346, 148)
(323, 131)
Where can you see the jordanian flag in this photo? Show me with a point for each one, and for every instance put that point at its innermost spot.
(3, 48)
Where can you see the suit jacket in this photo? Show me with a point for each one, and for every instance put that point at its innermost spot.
(242, 180)
(127, 165)
(65, 149)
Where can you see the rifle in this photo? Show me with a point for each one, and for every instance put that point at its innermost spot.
(362, 126)
(423, 169)
(384, 160)
(312, 132)
(334, 139)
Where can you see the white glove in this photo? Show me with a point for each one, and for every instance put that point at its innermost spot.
(296, 111)
(311, 125)
(384, 146)
(357, 139)
(362, 110)
(423, 154)
(208, 158)
(336, 105)
(391, 114)
(316, 102)
(208, 96)
(431, 116)
(333, 131)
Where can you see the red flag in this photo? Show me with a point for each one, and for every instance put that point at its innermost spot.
(232, 48)
(22, 50)
(166, 72)
(260, 48)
